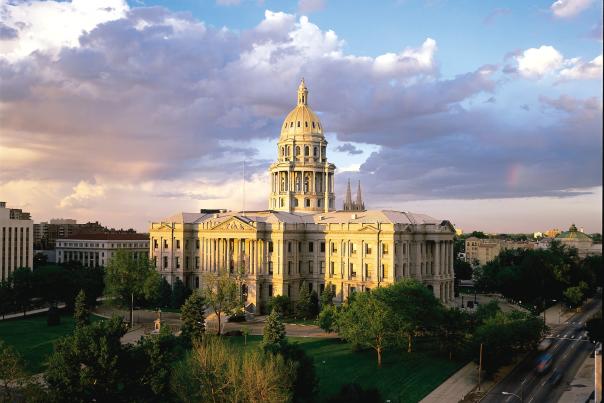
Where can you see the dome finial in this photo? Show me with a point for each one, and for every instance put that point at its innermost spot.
(302, 93)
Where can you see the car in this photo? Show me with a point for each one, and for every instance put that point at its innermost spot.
(555, 378)
(544, 362)
(544, 345)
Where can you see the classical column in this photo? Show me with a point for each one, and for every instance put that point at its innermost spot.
(437, 261)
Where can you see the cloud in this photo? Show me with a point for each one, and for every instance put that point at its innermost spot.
(160, 109)
(547, 61)
(83, 193)
(571, 104)
(228, 2)
(489, 19)
(579, 70)
(310, 6)
(536, 62)
(349, 148)
(569, 8)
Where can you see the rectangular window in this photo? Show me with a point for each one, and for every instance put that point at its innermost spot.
(311, 246)
(367, 249)
(367, 271)
(332, 267)
(289, 247)
(178, 244)
(333, 248)
(177, 262)
(197, 244)
(353, 249)
(197, 262)
(186, 262)
(165, 262)
(384, 272)
(321, 288)
(270, 290)
(352, 272)
(322, 267)
(310, 267)
(299, 247)
(270, 268)
(165, 244)
(270, 246)
(289, 267)
(322, 247)
(384, 249)
(196, 281)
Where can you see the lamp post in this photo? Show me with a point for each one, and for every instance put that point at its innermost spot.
(512, 394)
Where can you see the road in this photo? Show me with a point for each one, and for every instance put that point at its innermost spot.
(569, 349)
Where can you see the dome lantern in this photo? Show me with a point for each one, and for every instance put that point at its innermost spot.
(302, 93)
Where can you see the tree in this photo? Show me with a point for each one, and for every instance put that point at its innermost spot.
(165, 294)
(367, 322)
(305, 382)
(327, 295)
(221, 295)
(179, 294)
(452, 330)
(328, 318)
(594, 327)
(303, 304)
(314, 308)
(12, 372)
(280, 303)
(86, 366)
(414, 308)
(274, 330)
(574, 295)
(192, 317)
(81, 314)
(152, 289)
(6, 298)
(125, 278)
(216, 372)
(21, 280)
(463, 270)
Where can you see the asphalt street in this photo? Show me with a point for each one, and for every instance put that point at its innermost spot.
(569, 349)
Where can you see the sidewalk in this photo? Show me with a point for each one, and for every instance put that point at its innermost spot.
(28, 313)
(557, 315)
(582, 385)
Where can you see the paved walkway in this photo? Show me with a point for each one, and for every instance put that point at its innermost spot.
(28, 313)
(582, 385)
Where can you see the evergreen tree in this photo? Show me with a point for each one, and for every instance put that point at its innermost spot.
(81, 314)
(165, 294)
(303, 304)
(314, 305)
(179, 294)
(327, 296)
(274, 331)
(192, 316)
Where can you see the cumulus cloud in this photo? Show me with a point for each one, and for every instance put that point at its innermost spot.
(547, 61)
(157, 106)
(569, 8)
(536, 62)
(580, 70)
(82, 193)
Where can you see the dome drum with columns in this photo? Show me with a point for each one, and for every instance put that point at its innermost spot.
(300, 240)
(302, 180)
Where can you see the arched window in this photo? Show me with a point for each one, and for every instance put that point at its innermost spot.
(282, 151)
(295, 202)
(298, 123)
(315, 152)
(306, 183)
(287, 149)
(298, 182)
(291, 124)
(313, 125)
(297, 150)
(306, 123)
(306, 151)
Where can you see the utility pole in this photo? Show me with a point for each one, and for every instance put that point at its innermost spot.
(131, 310)
(479, 366)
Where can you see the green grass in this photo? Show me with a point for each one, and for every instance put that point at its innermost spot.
(33, 339)
(296, 321)
(403, 377)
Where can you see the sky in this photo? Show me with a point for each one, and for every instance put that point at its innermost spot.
(488, 114)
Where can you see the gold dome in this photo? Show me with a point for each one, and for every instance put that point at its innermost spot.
(301, 120)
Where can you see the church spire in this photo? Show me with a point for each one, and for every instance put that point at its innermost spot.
(359, 203)
(348, 200)
(302, 93)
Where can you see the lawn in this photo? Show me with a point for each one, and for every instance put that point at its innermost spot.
(33, 338)
(403, 377)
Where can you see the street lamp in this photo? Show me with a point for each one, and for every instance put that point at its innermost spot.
(512, 394)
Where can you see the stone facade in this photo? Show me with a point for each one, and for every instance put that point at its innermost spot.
(301, 240)
(93, 250)
(17, 243)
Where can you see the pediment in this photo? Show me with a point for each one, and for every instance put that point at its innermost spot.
(369, 229)
(233, 224)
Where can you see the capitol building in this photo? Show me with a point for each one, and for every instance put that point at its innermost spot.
(301, 239)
